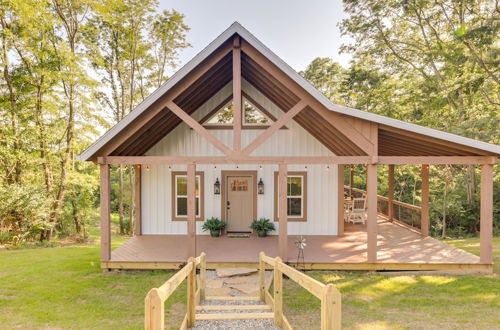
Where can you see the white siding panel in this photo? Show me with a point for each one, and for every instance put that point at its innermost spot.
(295, 141)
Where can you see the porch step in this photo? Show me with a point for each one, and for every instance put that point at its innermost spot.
(233, 298)
(234, 316)
(231, 307)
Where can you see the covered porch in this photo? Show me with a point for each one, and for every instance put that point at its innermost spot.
(398, 248)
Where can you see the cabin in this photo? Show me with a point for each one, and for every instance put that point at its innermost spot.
(239, 135)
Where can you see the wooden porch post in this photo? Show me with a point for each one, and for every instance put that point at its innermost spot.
(282, 211)
(371, 199)
(424, 212)
(351, 179)
(340, 203)
(486, 224)
(105, 215)
(138, 200)
(191, 209)
(390, 211)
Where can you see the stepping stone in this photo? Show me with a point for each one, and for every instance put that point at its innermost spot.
(245, 288)
(230, 272)
(242, 279)
(218, 291)
(213, 284)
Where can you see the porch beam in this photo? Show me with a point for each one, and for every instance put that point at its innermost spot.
(234, 159)
(191, 122)
(436, 160)
(390, 210)
(371, 223)
(105, 214)
(275, 127)
(424, 211)
(340, 199)
(237, 114)
(191, 209)
(334, 119)
(282, 212)
(138, 199)
(486, 214)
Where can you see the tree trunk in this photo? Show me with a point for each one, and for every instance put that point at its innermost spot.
(471, 185)
(76, 217)
(445, 196)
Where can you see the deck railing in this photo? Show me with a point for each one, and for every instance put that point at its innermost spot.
(405, 214)
(331, 299)
(154, 304)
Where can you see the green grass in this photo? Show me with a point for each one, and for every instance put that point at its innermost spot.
(63, 287)
(375, 301)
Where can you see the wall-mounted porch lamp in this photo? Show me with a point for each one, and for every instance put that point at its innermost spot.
(260, 187)
(217, 187)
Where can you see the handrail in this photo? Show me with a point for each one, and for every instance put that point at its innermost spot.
(386, 199)
(331, 299)
(154, 304)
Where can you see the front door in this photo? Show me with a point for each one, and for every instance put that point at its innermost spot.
(240, 203)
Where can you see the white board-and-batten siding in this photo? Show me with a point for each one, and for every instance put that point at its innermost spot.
(294, 141)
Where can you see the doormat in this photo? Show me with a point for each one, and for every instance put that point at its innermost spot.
(238, 235)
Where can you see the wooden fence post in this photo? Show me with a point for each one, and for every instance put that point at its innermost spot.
(262, 277)
(203, 275)
(154, 311)
(191, 293)
(278, 293)
(330, 308)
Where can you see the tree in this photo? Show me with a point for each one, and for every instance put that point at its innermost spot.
(327, 76)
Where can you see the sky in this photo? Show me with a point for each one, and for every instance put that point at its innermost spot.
(297, 31)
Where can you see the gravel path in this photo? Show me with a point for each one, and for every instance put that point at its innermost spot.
(263, 324)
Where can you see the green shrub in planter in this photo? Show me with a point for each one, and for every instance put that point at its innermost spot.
(214, 225)
(262, 226)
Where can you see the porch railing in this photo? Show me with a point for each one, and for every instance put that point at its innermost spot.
(331, 299)
(154, 304)
(403, 213)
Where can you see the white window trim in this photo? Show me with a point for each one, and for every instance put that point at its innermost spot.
(198, 214)
(297, 196)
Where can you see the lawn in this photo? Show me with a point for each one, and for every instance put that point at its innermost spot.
(63, 287)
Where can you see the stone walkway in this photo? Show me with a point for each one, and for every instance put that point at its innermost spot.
(227, 287)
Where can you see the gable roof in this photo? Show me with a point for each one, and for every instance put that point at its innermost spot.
(236, 28)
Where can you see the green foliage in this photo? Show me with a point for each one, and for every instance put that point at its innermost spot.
(262, 225)
(70, 69)
(213, 224)
(429, 63)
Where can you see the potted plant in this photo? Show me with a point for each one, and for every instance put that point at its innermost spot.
(214, 225)
(262, 226)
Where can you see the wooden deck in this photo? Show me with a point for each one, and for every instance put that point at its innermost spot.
(398, 249)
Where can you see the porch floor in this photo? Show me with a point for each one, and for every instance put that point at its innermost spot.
(396, 245)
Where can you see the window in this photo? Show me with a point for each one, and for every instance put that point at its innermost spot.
(296, 196)
(180, 196)
(252, 115)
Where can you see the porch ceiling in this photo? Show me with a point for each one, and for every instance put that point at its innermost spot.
(394, 142)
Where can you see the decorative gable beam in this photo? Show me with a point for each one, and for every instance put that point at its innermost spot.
(191, 122)
(275, 127)
(334, 119)
(237, 115)
(158, 106)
